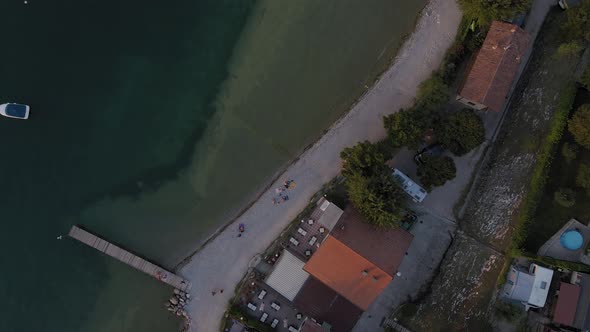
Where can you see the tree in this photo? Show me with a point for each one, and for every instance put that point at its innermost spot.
(569, 152)
(585, 78)
(583, 177)
(461, 131)
(364, 158)
(435, 171)
(565, 197)
(579, 125)
(577, 25)
(378, 199)
(405, 128)
(485, 11)
(432, 94)
(569, 49)
(370, 185)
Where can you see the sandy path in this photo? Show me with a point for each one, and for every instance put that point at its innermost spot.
(224, 261)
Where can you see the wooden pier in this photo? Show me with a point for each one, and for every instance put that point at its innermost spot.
(129, 258)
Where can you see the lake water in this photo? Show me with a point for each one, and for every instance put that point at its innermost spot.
(151, 125)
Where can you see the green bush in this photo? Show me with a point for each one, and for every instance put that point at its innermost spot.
(569, 49)
(585, 79)
(509, 311)
(435, 171)
(583, 177)
(406, 127)
(432, 94)
(579, 125)
(377, 198)
(370, 185)
(364, 158)
(485, 11)
(461, 131)
(577, 25)
(565, 197)
(569, 152)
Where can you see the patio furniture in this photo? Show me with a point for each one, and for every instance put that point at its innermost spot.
(293, 329)
(302, 231)
(312, 241)
(295, 242)
(262, 294)
(322, 230)
(299, 316)
(275, 306)
(264, 317)
(262, 306)
(274, 323)
(310, 221)
(251, 306)
(308, 252)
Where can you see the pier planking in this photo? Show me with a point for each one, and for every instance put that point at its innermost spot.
(129, 258)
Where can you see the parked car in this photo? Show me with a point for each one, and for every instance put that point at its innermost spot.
(433, 150)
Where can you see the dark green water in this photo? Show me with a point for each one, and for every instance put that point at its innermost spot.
(151, 124)
(119, 90)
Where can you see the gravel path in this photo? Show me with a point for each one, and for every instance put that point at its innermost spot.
(224, 260)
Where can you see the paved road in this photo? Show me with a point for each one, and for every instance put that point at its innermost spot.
(224, 261)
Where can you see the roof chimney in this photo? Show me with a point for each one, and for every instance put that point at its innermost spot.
(365, 273)
(375, 278)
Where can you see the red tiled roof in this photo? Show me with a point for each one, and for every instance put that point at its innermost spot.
(491, 75)
(322, 303)
(565, 310)
(386, 248)
(341, 269)
(310, 326)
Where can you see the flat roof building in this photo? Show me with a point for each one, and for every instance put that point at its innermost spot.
(288, 275)
(529, 288)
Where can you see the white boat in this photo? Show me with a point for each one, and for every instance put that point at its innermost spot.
(14, 110)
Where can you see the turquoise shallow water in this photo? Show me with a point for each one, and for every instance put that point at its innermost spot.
(150, 125)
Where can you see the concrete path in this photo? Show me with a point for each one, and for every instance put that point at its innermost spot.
(224, 261)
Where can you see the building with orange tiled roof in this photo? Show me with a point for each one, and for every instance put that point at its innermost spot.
(347, 273)
(494, 67)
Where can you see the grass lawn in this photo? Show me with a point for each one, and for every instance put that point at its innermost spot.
(550, 216)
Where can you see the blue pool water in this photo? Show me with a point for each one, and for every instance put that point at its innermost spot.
(571, 240)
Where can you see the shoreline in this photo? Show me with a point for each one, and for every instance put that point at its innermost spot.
(270, 181)
(318, 162)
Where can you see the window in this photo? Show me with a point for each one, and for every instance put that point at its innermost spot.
(543, 284)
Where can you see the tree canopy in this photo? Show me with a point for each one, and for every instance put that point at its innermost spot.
(405, 128)
(585, 79)
(435, 171)
(583, 177)
(433, 93)
(579, 125)
(577, 25)
(461, 131)
(364, 158)
(485, 11)
(565, 197)
(569, 151)
(377, 198)
(370, 185)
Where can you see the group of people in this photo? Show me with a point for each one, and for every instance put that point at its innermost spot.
(282, 192)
